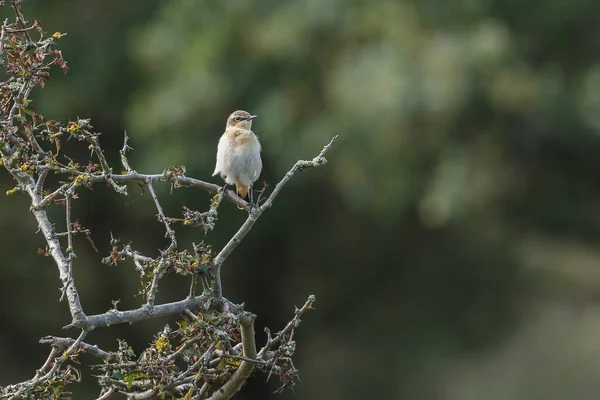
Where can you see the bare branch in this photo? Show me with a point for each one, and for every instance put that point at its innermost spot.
(226, 251)
(257, 212)
(299, 166)
(54, 352)
(123, 153)
(167, 176)
(70, 252)
(139, 259)
(55, 251)
(63, 343)
(92, 139)
(114, 317)
(161, 217)
(157, 275)
(46, 372)
(272, 342)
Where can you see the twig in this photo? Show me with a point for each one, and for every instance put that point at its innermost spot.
(91, 138)
(70, 252)
(257, 212)
(185, 346)
(123, 153)
(63, 343)
(213, 212)
(40, 182)
(202, 390)
(47, 200)
(139, 260)
(2, 35)
(108, 394)
(157, 275)
(54, 352)
(193, 286)
(226, 251)
(21, 20)
(54, 249)
(272, 342)
(202, 360)
(299, 166)
(161, 217)
(252, 360)
(41, 375)
(69, 231)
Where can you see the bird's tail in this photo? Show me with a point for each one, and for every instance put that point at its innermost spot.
(241, 189)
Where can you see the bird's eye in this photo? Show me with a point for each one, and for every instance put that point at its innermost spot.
(239, 118)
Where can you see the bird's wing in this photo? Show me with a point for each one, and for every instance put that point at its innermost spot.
(220, 155)
(258, 161)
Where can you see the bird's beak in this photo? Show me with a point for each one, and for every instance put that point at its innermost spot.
(253, 116)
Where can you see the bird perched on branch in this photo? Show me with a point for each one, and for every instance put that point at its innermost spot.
(238, 154)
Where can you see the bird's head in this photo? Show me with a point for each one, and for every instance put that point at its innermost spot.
(240, 119)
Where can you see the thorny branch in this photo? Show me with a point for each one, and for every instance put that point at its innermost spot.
(123, 153)
(214, 345)
(257, 212)
(161, 217)
(289, 328)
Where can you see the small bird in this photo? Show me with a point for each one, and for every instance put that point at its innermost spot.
(238, 154)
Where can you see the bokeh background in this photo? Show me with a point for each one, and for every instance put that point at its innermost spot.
(451, 241)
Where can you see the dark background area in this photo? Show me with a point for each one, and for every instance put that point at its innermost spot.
(451, 241)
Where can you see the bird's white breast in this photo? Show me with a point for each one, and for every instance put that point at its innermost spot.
(238, 158)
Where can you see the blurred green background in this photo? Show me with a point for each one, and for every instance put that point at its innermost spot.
(451, 241)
